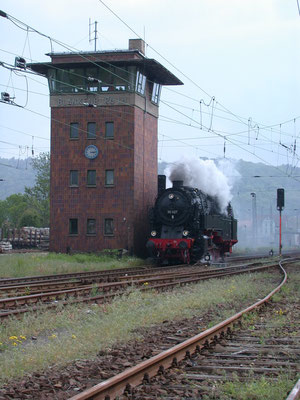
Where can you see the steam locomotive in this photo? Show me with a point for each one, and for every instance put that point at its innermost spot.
(187, 225)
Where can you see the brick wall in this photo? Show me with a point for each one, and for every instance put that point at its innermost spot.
(132, 156)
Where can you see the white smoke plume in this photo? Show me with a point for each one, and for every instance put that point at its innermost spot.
(202, 174)
(228, 167)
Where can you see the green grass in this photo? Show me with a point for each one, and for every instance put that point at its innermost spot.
(282, 322)
(81, 331)
(254, 389)
(30, 264)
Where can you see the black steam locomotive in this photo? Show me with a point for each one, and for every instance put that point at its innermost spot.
(187, 226)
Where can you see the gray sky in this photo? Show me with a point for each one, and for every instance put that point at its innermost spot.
(240, 56)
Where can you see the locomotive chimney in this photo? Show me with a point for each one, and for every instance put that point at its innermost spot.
(177, 184)
(161, 184)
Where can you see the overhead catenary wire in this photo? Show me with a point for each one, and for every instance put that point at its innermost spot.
(81, 55)
(225, 134)
(180, 141)
(183, 142)
(200, 102)
(172, 64)
(173, 139)
(209, 129)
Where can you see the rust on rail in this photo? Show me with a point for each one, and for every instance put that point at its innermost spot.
(295, 393)
(133, 376)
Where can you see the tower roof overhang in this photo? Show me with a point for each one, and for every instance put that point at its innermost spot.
(155, 71)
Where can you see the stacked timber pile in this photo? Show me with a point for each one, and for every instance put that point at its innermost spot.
(5, 247)
(29, 236)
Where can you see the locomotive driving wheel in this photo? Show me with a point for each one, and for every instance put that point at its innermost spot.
(197, 250)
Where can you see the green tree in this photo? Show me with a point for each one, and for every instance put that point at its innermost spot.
(12, 210)
(3, 214)
(30, 217)
(38, 197)
(16, 205)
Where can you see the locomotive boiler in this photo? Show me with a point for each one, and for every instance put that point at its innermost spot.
(187, 225)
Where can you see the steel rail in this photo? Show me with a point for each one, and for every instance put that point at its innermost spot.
(175, 279)
(98, 277)
(133, 376)
(89, 274)
(132, 270)
(9, 291)
(71, 275)
(102, 298)
(295, 393)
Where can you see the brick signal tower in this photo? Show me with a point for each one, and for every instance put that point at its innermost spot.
(104, 111)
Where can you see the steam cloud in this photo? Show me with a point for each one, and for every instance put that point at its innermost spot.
(204, 175)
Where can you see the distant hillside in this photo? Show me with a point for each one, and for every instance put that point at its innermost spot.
(16, 174)
(254, 178)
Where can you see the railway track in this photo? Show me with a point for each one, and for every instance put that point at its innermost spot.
(108, 275)
(24, 286)
(243, 354)
(106, 290)
(237, 352)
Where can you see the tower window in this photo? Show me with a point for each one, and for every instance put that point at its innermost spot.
(91, 130)
(109, 130)
(156, 93)
(73, 226)
(108, 226)
(73, 178)
(91, 177)
(91, 226)
(109, 177)
(140, 83)
(74, 130)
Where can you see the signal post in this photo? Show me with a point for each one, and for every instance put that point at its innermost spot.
(280, 207)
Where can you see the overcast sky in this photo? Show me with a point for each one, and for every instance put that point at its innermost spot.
(239, 57)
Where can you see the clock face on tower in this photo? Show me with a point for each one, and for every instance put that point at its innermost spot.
(91, 152)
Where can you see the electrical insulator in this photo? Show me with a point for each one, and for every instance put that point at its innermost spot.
(94, 80)
(5, 97)
(89, 105)
(20, 62)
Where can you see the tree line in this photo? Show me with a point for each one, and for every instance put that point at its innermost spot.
(30, 208)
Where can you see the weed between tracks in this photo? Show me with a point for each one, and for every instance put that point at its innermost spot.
(285, 323)
(81, 331)
(252, 390)
(19, 265)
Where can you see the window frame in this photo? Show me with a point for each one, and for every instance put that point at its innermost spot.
(106, 178)
(72, 125)
(87, 227)
(71, 233)
(89, 124)
(156, 90)
(140, 83)
(71, 184)
(90, 79)
(87, 178)
(109, 124)
(111, 231)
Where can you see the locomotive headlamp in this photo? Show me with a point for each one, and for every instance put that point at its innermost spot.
(171, 196)
(153, 233)
(185, 233)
